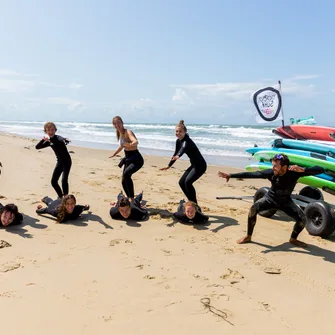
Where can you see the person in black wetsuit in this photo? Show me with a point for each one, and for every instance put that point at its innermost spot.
(64, 162)
(184, 145)
(283, 180)
(189, 212)
(123, 209)
(64, 209)
(9, 215)
(132, 161)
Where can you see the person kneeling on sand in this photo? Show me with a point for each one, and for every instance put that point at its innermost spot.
(283, 180)
(190, 212)
(9, 215)
(64, 209)
(123, 209)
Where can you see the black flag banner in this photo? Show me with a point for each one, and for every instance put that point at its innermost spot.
(268, 103)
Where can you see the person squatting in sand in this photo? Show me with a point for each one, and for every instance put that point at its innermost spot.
(189, 212)
(64, 209)
(123, 209)
(184, 145)
(283, 179)
(64, 162)
(133, 159)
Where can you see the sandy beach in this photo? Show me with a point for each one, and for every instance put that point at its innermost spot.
(99, 276)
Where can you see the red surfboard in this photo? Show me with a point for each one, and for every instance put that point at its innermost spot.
(306, 132)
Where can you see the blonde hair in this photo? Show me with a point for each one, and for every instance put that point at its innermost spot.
(117, 118)
(49, 125)
(191, 204)
(181, 125)
(62, 209)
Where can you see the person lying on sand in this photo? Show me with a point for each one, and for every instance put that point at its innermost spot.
(189, 212)
(283, 180)
(64, 209)
(9, 215)
(123, 209)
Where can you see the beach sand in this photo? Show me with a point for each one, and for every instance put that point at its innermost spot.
(99, 276)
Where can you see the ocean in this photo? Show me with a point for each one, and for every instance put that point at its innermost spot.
(220, 144)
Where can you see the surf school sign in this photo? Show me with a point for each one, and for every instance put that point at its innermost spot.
(268, 103)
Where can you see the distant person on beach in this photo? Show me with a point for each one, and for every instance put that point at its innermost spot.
(184, 145)
(283, 180)
(132, 161)
(9, 215)
(64, 209)
(64, 162)
(190, 212)
(123, 209)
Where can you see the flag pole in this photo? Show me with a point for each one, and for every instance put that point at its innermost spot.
(282, 109)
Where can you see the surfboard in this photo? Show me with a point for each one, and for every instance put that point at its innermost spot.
(267, 155)
(310, 180)
(293, 151)
(321, 175)
(304, 132)
(328, 150)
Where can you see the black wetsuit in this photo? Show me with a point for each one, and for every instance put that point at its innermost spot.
(63, 165)
(137, 213)
(180, 215)
(195, 171)
(132, 162)
(53, 206)
(17, 220)
(279, 195)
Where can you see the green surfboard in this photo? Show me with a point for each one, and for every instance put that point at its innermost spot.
(304, 161)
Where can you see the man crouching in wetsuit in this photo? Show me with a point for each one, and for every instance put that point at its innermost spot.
(283, 180)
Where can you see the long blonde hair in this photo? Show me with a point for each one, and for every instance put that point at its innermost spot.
(117, 118)
(62, 208)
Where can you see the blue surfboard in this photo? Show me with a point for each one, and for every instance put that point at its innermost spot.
(324, 149)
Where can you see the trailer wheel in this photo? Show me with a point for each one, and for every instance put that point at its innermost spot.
(311, 192)
(319, 220)
(260, 194)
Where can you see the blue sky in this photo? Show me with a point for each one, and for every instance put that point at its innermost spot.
(160, 61)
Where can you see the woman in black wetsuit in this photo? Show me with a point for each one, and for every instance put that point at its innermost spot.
(132, 161)
(189, 212)
(64, 162)
(9, 215)
(125, 210)
(63, 209)
(184, 145)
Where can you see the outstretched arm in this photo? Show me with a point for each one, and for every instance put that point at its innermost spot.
(117, 151)
(180, 150)
(247, 175)
(43, 143)
(309, 171)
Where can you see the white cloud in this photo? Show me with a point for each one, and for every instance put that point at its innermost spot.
(70, 103)
(180, 95)
(16, 85)
(76, 86)
(305, 77)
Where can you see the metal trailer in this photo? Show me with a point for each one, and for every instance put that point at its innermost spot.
(320, 215)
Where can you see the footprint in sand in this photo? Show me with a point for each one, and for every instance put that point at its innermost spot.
(232, 276)
(4, 244)
(149, 277)
(9, 266)
(112, 243)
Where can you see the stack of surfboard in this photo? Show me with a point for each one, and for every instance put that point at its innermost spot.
(306, 132)
(302, 153)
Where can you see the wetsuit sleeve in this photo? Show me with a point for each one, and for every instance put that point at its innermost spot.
(180, 215)
(42, 144)
(113, 212)
(138, 213)
(62, 139)
(81, 208)
(18, 219)
(200, 218)
(255, 174)
(180, 150)
(312, 171)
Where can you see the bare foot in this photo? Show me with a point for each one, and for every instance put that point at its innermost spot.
(245, 239)
(298, 243)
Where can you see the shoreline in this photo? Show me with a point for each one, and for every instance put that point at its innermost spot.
(219, 161)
